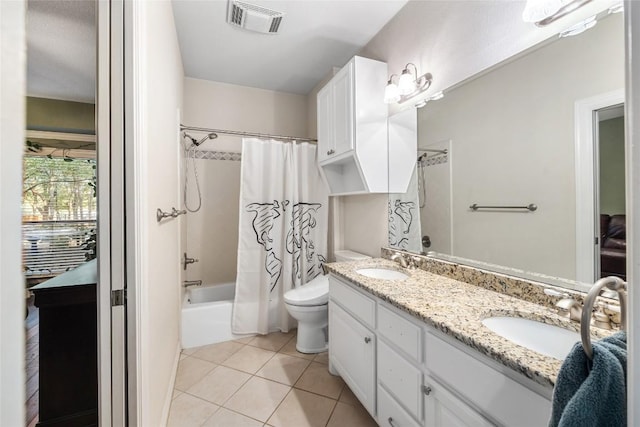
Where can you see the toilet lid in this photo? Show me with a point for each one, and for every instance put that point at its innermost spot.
(315, 292)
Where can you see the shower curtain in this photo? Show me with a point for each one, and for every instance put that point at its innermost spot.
(404, 217)
(282, 232)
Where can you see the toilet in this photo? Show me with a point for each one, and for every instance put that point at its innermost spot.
(308, 304)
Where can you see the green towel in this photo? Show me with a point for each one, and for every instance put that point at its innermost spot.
(586, 397)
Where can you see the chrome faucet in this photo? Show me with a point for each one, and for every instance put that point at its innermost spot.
(400, 260)
(570, 307)
(188, 283)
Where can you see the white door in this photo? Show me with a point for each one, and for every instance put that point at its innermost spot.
(12, 295)
(111, 219)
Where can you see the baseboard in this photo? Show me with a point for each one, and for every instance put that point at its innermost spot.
(172, 383)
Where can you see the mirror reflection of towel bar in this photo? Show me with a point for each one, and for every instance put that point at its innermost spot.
(530, 207)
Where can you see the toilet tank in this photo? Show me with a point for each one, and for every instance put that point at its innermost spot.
(347, 255)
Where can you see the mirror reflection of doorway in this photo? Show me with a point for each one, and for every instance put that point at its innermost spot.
(610, 200)
(59, 213)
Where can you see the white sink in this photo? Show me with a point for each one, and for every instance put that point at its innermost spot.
(546, 339)
(382, 273)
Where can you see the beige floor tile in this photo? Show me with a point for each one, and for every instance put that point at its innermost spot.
(219, 385)
(190, 371)
(187, 411)
(283, 369)
(244, 340)
(219, 352)
(317, 379)
(258, 398)
(248, 359)
(274, 341)
(226, 418)
(303, 409)
(290, 349)
(189, 351)
(322, 358)
(348, 397)
(352, 416)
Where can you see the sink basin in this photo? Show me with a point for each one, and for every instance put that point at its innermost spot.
(546, 339)
(382, 273)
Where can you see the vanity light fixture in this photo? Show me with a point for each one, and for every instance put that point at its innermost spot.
(391, 92)
(409, 85)
(616, 8)
(579, 28)
(544, 12)
(434, 97)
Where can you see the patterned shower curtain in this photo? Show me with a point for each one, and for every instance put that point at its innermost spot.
(404, 218)
(282, 231)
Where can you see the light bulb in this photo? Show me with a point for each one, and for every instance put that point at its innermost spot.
(391, 93)
(406, 83)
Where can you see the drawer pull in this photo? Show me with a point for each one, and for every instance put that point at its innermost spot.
(367, 340)
(330, 152)
(426, 390)
(391, 422)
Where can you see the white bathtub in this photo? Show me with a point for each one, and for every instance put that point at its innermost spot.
(206, 315)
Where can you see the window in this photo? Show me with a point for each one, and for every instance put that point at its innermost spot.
(58, 212)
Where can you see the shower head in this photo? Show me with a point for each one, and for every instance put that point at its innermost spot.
(204, 138)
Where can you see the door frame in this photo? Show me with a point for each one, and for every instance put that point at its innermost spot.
(586, 159)
(13, 73)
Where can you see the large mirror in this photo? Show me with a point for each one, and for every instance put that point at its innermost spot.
(523, 166)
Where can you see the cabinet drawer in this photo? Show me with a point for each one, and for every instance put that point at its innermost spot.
(390, 413)
(401, 332)
(498, 396)
(363, 307)
(401, 378)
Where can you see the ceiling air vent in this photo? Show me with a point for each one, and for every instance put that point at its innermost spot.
(253, 18)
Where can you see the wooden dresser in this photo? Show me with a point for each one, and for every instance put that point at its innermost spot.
(68, 348)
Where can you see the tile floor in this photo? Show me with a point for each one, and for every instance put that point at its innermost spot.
(261, 381)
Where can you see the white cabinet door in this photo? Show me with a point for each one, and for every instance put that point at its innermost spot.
(352, 353)
(326, 142)
(443, 409)
(343, 111)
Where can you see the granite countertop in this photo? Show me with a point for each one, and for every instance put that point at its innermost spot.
(457, 309)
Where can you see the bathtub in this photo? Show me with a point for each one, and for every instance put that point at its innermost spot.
(206, 315)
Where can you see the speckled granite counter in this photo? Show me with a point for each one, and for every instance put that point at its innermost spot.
(457, 309)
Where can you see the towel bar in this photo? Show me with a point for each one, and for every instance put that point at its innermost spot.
(613, 283)
(530, 207)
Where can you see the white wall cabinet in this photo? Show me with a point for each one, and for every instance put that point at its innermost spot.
(407, 374)
(352, 129)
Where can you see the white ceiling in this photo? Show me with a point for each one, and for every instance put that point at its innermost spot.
(314, 36)
(61, 49)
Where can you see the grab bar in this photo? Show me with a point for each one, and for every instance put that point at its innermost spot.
(530, 207)
(613, 283)
(160, 215)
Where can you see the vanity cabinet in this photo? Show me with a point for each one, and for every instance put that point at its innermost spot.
(353, 345)
(352, 129)
(408, 374)
(443, 409)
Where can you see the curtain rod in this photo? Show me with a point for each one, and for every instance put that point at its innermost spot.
(240, 133)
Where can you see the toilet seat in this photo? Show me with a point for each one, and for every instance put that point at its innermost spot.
(315, 292)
